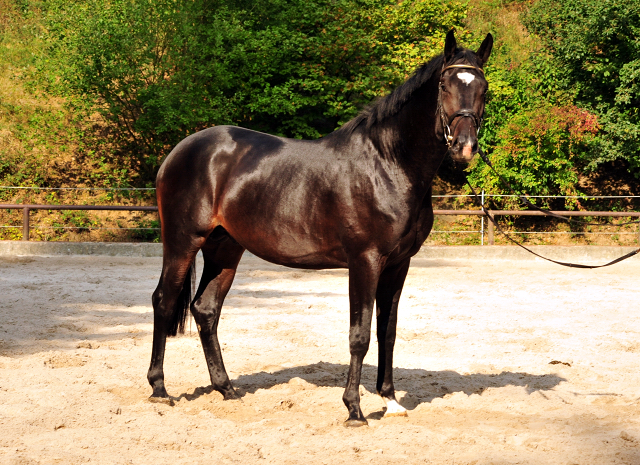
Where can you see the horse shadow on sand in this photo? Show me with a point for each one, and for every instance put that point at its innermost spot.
(421, 386)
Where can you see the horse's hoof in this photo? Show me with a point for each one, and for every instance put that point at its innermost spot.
(231, 394)
(161, 400)
(355, 423)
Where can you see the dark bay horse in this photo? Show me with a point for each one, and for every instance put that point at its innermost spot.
(359, 198)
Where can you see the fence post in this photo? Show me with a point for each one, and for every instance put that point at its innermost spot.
(25, 224)
(482, 221)
(490, 230)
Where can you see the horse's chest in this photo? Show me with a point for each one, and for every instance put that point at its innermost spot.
(424, 224)
(415, 233)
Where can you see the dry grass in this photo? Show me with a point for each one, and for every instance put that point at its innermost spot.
(503, 20)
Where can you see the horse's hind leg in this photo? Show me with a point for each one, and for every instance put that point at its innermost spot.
(170, 304)
(221, 257)
(387, 298)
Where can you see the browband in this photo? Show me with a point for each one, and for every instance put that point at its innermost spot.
(463, 66)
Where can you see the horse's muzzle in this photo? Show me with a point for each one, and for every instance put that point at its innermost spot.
(464, 149)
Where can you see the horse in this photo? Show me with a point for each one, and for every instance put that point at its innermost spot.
(358, 198)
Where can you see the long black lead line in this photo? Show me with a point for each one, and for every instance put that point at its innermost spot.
(568, 264)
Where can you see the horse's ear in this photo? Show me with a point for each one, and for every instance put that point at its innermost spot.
(450, 46)
(485, 49)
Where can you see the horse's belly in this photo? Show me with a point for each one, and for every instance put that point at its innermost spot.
(310, 261)
(295, 249)
(300, 257)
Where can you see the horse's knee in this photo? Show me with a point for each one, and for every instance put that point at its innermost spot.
(359, 343)
(204, 312)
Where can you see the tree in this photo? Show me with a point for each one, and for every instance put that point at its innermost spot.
(595, 51)
(158, 70)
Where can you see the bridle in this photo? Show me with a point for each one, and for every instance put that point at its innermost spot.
(464, 113)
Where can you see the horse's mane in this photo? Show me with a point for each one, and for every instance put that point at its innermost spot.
(391, 104)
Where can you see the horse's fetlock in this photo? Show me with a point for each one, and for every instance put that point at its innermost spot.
(154, 376)
(351, 398)
(387, 391)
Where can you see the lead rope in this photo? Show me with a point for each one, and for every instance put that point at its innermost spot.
(526, 201)
(570, 265)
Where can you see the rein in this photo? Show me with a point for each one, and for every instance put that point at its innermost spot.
(570, 265)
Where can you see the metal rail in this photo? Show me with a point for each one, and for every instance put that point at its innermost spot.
(494, 213)
(26, 209)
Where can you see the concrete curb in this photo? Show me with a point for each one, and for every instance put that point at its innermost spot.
(113, 249)
(579, 254)
(588, 255)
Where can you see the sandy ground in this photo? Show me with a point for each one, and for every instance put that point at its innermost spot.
(498, 362)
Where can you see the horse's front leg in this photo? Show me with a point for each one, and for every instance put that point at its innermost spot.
(387, 298)
(363, 280)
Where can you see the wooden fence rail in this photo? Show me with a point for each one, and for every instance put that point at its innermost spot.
(26, 209)
(494, 213)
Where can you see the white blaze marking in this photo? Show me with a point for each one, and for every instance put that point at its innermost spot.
(466, 77)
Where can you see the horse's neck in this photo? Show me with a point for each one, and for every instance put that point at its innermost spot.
(422, 149)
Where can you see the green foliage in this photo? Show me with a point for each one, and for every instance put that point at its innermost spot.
(160, 70)
(508, 94)
(540, 151)
(78, 221)
(44, 141)
(564, 98)
(595, 50)
(149, 230)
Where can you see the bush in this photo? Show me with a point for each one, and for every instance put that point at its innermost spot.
(540, 152)
(595, 51)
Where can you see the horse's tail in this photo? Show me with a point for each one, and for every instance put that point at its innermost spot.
(184, 302)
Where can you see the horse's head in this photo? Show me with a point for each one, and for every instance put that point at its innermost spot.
(461, 97)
